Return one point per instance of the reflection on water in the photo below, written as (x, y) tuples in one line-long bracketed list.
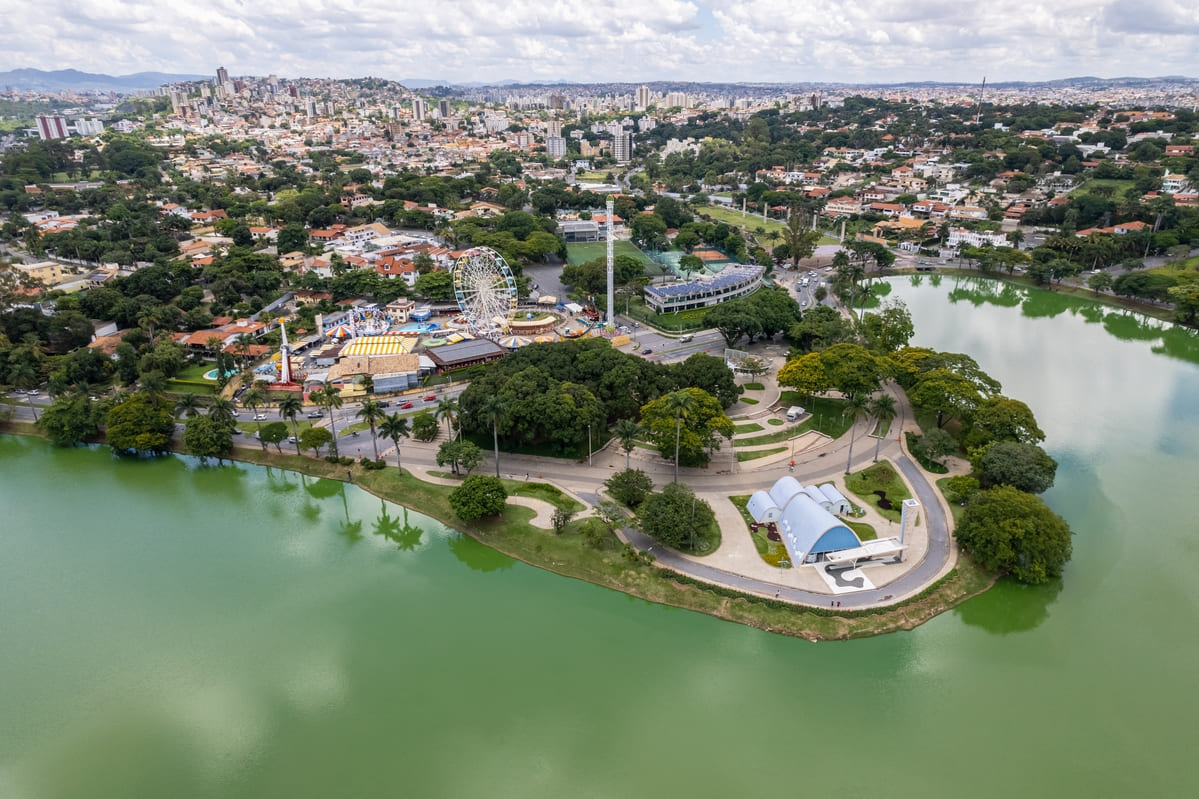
[(1175, 340), (405, 535), (477, 556), (1010, 607)]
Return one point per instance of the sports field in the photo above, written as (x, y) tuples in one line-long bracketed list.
[(580, 253)]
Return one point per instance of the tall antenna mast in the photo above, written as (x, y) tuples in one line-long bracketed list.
[(611, 266), (978, 111)]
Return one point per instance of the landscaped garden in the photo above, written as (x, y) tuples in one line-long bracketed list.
[(881, 487)]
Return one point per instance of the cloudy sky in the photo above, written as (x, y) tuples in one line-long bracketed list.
[(621, 40)]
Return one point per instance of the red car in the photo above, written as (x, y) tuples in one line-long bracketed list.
[(406, 406), (430, 398)]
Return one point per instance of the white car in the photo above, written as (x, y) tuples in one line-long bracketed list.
[(258, 417)]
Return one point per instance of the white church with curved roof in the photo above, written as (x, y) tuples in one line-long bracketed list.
[(805, 520)]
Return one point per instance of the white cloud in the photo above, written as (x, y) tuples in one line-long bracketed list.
[(707, 40)]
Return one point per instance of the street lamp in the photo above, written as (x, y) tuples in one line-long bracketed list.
[(589, 443)]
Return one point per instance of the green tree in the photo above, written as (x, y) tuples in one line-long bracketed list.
[(223, 410), (330, 399), (460, 454), (960, 488), (292, 238), (273, 433), (69, 421), (395, 427), (560, 519), (187, 405), (154, 386), (372, 413), (946, 393), (890, 329), (493, 410), (25, 377), (289, 408), (629, 487), (855, 408), (1001, 418), (206, 437), (436, 286), (805, 374), (1014, 533), (851, 369), (937, 444), (136, 425), (424, 425), (799, 239), (627, 431), (254, 399), (479, 496), (1025, 467), (675, 515), (691, 419), (315, 438), (882, 408), (447, 409)]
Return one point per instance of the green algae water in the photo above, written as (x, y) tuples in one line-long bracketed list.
[(171, 630)]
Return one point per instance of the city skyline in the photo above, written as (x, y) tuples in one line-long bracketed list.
[(482, 41)]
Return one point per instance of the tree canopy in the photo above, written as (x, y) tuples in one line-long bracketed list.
[(1014, 533)]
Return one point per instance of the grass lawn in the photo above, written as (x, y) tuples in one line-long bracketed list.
[(775, 422), (748, 400), (865, 532), (956, 508), (753, 386), (768, 438), (750, 427), (827, 413), (191, 388), (670, 322), (1118, 187), (592, 177), (879, 477), (754, 454), (773, 552), (882, 428), (543, 491), (587, 251)]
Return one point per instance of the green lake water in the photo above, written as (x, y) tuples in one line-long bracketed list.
[(174, 631)]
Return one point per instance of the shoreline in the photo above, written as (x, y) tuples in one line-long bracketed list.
[(569, 556)]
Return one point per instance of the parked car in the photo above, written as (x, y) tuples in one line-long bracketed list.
[(430, 398), (406, 406)]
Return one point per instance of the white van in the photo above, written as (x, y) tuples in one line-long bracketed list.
[(794, 412), (684, 339)]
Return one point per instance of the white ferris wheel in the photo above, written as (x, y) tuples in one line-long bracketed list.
[(485, 290)]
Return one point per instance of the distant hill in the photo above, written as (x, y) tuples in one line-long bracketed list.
[(73, 79), (423, 83)]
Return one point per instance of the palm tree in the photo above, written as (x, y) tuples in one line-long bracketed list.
[(222, 410), (855, 408), (680, 402), (153, 385), (395, 427), (255, 398), (289, 408), (372, 412), (447, 408), (329, 398), (243, 342), (627, 431), (882, 408), (493, 409), (187, 405), (25, 377)]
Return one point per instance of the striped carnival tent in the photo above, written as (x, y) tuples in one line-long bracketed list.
[(377, 345)]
